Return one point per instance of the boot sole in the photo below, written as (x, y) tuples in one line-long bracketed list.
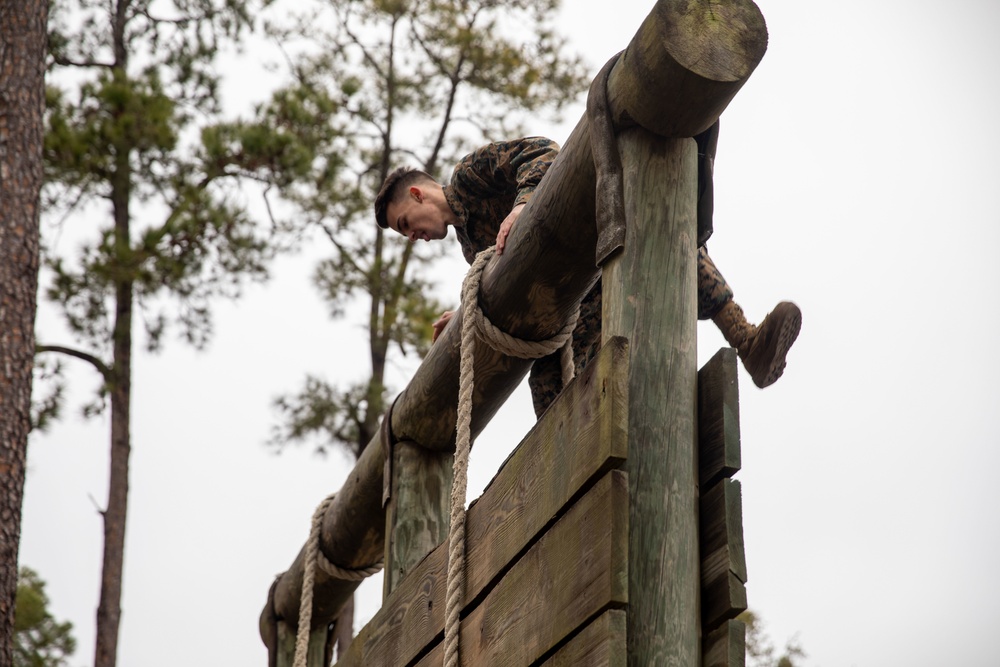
[(777, 348)]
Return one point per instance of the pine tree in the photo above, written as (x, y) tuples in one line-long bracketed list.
[(136, 152), (39, 639), (22, 85)]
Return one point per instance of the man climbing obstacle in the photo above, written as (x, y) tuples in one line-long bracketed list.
[(487, 192)]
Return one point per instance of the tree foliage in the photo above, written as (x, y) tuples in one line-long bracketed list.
[(39, 639), (760, 648), (419, 82)]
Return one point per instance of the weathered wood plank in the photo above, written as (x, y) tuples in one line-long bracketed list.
[(601, 644), (718, 418), (723, 567), (722, 545), (725, 646), (574, 571), (534, 485), (722, 599), (417, 516), (650, 296), (548, 468)]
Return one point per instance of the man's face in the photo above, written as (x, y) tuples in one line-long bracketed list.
[(417, 217)]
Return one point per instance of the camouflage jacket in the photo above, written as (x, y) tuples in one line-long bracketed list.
[(492, 180)]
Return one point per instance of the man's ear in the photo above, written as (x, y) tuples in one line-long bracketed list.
[(417, 194)]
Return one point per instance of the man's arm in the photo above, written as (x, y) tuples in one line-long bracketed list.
[(506, 169)]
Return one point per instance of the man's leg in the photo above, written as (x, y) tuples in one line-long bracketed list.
[(762, 348)]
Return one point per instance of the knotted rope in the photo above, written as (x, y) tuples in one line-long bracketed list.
[(475, 322), (314, 558)]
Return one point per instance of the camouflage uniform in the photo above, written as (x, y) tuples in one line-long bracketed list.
[(484, 187)]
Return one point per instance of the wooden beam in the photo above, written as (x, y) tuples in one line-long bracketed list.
[(575, 571), (723, 598), (418, 513), (722, 530), (550, 257), (685, 64), (725, 646), (718, 418), (723, 567), (650, 297), (537, 483)]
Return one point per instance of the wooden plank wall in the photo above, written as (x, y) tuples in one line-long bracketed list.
[(546, 556), (546, 562), (723, 558)]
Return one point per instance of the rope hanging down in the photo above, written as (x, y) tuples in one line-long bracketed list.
[(315, 557), (475, 322)]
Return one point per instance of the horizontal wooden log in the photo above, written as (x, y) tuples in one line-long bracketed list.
[(723, 565), (575, 571), (725, 646), (600, 644), (718, 418), (685, 64), (536, 484), (550, 258), (349, 536)]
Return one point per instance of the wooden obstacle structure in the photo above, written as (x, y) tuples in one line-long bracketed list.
[(548, 540), (613, 534)]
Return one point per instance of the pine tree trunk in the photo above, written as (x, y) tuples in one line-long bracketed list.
[(109, 607), (22, 101)]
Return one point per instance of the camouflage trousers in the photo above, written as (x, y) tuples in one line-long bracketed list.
[(545, 379)]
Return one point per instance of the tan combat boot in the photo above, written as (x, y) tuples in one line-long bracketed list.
[(762, 348)]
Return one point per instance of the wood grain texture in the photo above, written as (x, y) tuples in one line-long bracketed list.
[(575, 571), (723, 598), (316, 654), (418, 512), (534, 485), (650, 297), (725, 646), (601, 644), (685, 64), (722, 529), (724, 567), (718, 418)]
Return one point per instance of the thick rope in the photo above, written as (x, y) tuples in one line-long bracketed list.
[(473, 322), (314, 558)]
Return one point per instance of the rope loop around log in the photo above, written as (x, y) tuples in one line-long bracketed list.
[(316, 558), (474, 323)]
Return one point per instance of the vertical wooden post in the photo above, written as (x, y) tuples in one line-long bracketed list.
[(650, 297), (417, 517), (316, 656)]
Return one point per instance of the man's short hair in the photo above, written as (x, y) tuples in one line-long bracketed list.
[(394, 190)]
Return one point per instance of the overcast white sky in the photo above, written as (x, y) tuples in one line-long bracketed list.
[(857, 175)]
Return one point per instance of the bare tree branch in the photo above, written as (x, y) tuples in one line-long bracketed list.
[(101, 367)]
